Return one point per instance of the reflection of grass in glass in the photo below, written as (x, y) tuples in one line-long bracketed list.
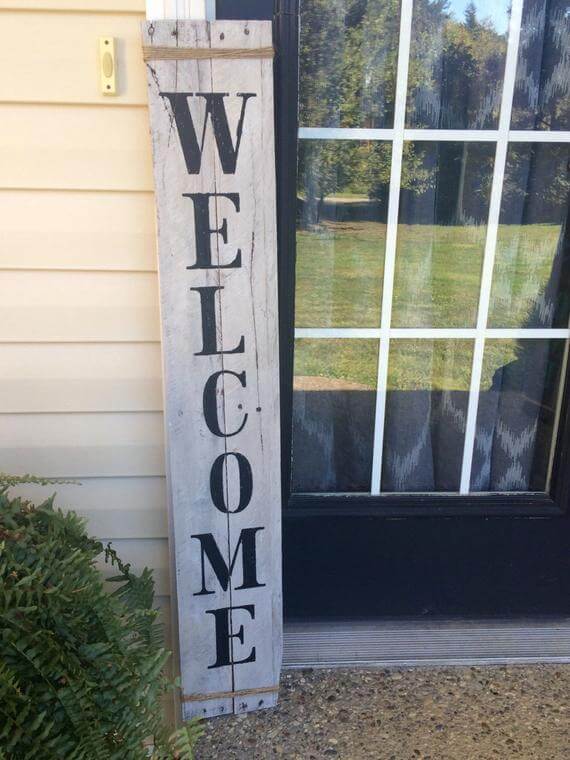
[(497, 354), (339, 275), (430, 365), (500, 352), (326, 364), (333, 364), (340, 266), (522, 266), (438, 271)]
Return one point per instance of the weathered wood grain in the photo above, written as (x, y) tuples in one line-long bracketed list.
[(246, 312)]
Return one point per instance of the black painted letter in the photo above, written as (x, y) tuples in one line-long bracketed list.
[(211, 408), (216, 110), (209, 549), (204, 232), (209, 325), (218, 478), (224, 634)]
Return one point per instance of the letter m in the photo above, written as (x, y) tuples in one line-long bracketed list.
[(192, 145), (209, 549)]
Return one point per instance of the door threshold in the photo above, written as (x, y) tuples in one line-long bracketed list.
[(416, 643)]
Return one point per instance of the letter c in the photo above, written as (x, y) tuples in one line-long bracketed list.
[(210, 406)]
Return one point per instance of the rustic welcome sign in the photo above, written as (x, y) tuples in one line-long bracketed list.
[(211, 113)]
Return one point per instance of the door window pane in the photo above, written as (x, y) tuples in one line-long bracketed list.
[(531, 281), (426, 411), (334, 397), (542, 87), (412, 287), (444, 204), (457, 63), (341, 232), (517, 414), (348, 60)]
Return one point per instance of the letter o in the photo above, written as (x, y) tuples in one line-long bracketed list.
[(217, 482)]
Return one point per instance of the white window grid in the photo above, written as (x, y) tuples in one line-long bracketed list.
[(157, 10), (501, 136)]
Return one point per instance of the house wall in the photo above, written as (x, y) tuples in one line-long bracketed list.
[(80, 369)]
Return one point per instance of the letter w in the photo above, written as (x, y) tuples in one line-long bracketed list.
[(192, 147), (209, 549)]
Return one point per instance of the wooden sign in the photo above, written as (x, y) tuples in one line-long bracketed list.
[(211, 114)]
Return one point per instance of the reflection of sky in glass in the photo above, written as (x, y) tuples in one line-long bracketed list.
[(496, 10)]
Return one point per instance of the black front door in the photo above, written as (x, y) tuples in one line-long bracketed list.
[(425, 312)]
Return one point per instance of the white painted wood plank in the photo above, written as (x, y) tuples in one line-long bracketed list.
[(78, 306), (257, 317), (100, 377), (110, 231), (82, 445), (74, 147), (180, 9), (184, 379), (248, 309), (53, 58), (155, 10)]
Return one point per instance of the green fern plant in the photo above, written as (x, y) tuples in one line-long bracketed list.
[(81, 669)]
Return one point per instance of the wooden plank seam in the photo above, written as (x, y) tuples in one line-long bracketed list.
[(229, 694), (159, 53)]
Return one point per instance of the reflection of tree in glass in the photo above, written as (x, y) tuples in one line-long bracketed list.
[(458, 183), (456, 69), (536, 184), (348, 58), (458, 175)]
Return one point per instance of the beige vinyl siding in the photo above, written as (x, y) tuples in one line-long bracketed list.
[(107, 7), (61, 67), (80, 369), (110, 231)]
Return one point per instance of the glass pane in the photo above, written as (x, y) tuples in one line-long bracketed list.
[(444, 204), (531, 281), (457, 62), (348, 59), (334, 398), (517, 413), (542, 87), (426, 411), (341, 232)]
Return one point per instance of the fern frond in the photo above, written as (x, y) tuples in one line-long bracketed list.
[(81, 669), (183, 741)]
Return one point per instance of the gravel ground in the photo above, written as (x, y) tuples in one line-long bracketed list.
[(482, 713)]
